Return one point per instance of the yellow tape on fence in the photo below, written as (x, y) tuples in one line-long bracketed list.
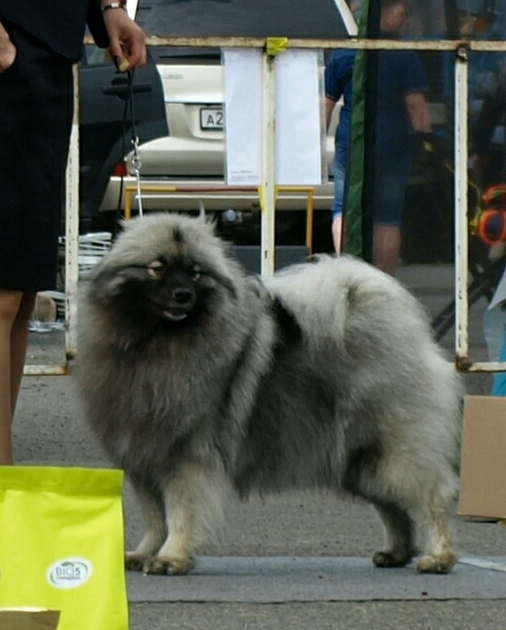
[(276, 45)]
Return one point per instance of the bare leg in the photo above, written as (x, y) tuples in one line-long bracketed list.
[(337, 234), (19, 344), (386, 247), (9, 306), (15, 310)]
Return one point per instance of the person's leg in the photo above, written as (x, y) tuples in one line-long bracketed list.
[(19, 343), (338, 205), (10, 302), (389, 197), (337, 233), (15, 310), (386, 247)]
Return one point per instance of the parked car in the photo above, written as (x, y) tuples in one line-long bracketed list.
[(191, 158)]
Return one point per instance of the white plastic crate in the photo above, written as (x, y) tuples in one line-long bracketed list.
[(92, 248)]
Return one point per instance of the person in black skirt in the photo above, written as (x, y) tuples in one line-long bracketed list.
[(40, 40)]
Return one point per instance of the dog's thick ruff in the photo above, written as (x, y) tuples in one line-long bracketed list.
[(200, 382)]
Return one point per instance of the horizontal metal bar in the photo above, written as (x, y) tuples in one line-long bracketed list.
[(355, 43), (482, 366), (45, 370), (159, 188)]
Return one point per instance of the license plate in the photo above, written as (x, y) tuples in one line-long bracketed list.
[(212, 118)]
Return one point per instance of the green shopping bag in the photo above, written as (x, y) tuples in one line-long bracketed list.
[(62, 544)]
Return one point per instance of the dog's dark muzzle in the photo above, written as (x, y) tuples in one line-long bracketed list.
[(178, 303), (182, 300)]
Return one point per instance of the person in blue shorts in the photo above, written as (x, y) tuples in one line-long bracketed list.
[(401, 110)]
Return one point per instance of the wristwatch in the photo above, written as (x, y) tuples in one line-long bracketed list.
[(121, 4)]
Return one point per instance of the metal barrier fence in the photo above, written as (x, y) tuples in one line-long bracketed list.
[(461, 51)]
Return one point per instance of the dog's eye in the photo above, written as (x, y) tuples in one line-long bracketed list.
[(196, 271), (156, 269)]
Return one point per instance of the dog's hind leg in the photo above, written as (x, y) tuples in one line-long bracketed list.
[(362, 478), (399, 534), (398, 487), (425, 486), (438, 556), (425, 494), (194, 504), (431, 506)]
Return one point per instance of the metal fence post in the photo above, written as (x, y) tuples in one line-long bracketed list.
[(72, 228), (268, 184), (461, 206)]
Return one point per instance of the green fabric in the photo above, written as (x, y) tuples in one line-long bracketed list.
[(354, 194)]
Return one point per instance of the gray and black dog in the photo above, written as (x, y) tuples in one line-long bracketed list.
[(201, 382)]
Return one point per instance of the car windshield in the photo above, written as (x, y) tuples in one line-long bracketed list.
[(241, 18)]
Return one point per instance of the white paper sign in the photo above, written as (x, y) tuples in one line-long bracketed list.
[(243, 116), (298, 119), (299, 136)]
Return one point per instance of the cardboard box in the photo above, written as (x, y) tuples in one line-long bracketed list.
[(29, 619), (483, 458)]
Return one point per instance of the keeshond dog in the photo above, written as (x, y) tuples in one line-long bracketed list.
[(200, 381)]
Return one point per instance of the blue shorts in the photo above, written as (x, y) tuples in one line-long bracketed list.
[(391, 180)]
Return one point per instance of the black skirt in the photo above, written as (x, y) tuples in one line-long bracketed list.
[(35, 122)]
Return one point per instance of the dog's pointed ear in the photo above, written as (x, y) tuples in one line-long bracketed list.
[(106, 282), (225, 282)]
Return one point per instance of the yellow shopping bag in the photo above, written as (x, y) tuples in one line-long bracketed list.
[(62, 544)]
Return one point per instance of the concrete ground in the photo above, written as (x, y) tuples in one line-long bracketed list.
[(300, 560)]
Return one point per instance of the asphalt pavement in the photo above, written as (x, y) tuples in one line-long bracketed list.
[(300, 560)]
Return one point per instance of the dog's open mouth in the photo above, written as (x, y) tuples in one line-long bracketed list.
[(174, 314), (169, 312)]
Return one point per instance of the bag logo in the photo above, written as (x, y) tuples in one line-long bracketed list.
[(69, 573)]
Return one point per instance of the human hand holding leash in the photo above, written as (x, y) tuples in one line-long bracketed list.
[(7, 50), (127, 39)]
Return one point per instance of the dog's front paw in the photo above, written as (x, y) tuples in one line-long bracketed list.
[(436, 564), (163, 565)]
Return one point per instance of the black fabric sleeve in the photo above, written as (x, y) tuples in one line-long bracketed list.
[(96, 24)]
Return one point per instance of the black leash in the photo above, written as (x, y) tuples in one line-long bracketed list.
[(129, 115), (136, 158)]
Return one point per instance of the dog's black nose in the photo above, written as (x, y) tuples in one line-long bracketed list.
[(182, 296)]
